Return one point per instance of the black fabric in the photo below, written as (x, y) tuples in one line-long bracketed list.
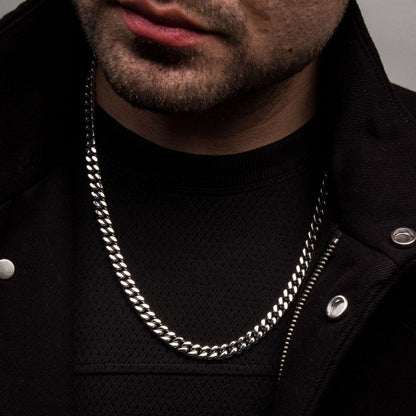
[(372, 180), (372, 118), (36, 92), (207, 239), (378, 374)]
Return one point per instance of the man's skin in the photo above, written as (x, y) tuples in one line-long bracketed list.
[(247, 78)]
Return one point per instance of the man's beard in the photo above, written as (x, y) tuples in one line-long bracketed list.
[(171, 80)]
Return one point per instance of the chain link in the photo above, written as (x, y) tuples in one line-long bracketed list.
[(142, 308)]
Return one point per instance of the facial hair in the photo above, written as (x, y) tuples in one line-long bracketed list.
[(171, 80)]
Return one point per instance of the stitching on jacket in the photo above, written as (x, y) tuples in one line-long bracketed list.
[(371, 247), (15, 16), (28, 188), (395, 101)]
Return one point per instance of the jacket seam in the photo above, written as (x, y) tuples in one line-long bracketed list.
[(15, 16), (376, 249), (16, 195)]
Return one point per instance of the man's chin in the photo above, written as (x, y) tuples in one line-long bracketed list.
[(161, 101), (155, 88)]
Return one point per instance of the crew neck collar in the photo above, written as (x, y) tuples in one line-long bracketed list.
[(137, 156)]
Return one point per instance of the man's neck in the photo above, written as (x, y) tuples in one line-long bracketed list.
[(244, 124)]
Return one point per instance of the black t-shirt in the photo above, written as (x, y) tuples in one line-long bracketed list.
[(211, 242)]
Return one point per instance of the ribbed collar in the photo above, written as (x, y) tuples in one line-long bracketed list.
[(138, 156)]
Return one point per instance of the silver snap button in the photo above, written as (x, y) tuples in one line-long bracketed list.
[(403, 237), (6, 269), (336, 307)]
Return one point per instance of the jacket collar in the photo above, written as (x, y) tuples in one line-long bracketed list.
[(372, 172), (43, 58), (372, 167)]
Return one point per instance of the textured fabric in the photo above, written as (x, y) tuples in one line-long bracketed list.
[(210, 260), (363, 363), (378, 375)]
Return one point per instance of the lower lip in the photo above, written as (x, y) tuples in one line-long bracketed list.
[(170, 36)]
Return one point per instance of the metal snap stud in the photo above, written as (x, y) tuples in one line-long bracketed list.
[(7, 269), (336, 307), (403, 237)]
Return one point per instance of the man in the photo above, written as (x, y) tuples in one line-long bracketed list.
[(184, 151)]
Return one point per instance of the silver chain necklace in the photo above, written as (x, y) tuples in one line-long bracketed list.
[(129, 286)]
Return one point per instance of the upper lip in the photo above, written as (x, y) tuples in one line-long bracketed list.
[(166, 17)]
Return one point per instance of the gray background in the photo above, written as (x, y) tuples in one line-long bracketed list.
[(392, 24)]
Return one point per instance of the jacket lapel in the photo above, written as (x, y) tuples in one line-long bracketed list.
[(36, 303), (372, 169), (318, 345), (40, 129)]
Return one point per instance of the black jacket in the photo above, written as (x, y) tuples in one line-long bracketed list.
[(363, 363)]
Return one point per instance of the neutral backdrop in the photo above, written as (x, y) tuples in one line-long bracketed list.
[(392, 23)]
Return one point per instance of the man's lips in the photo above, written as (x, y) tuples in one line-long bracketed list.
[(167, 26)]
